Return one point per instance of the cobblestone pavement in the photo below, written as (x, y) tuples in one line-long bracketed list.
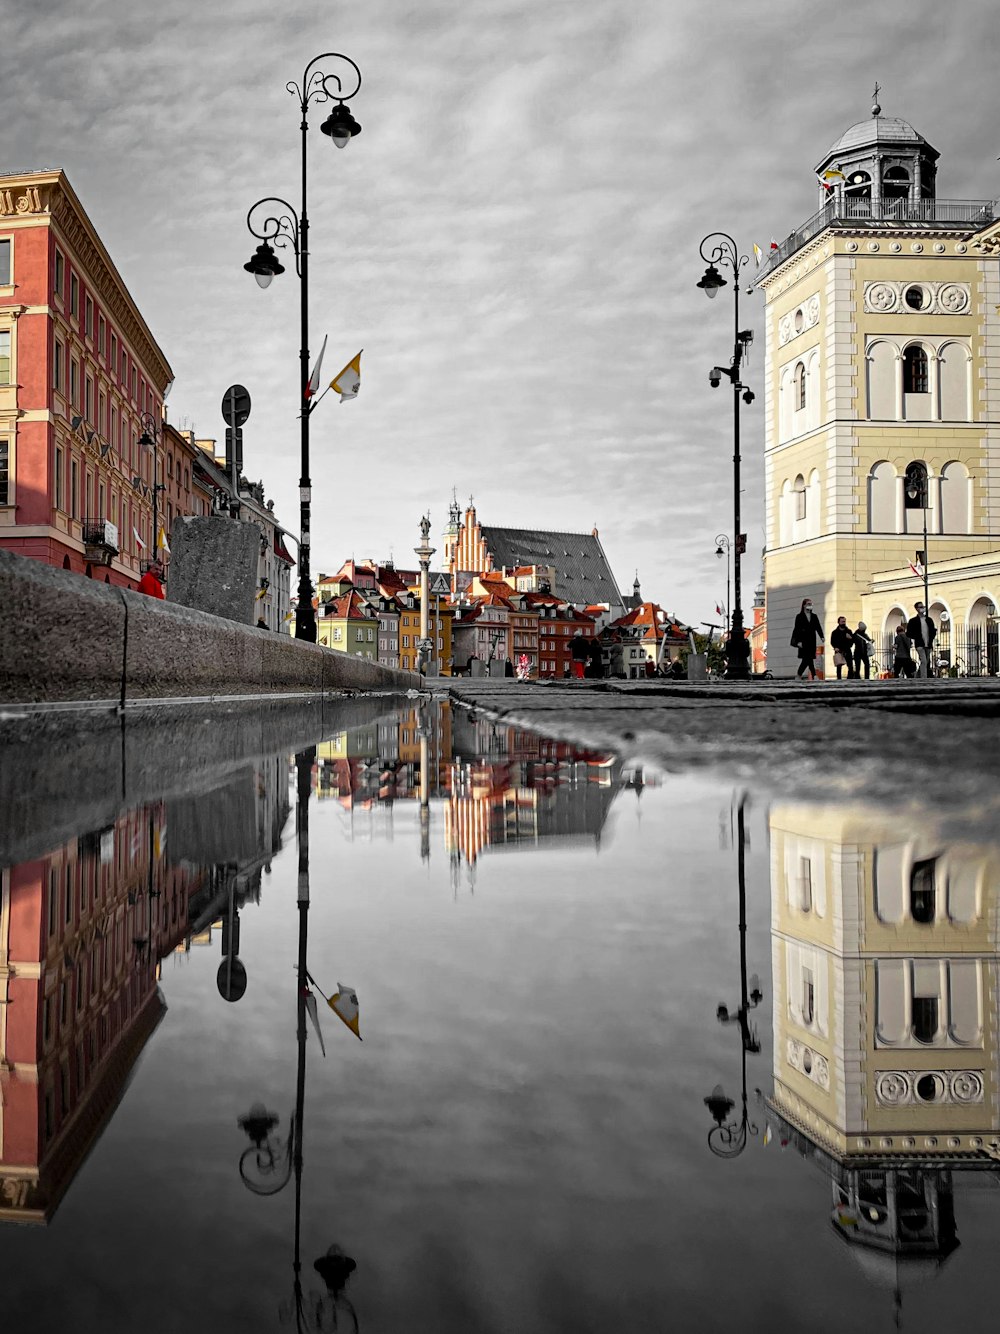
[(903, 738)]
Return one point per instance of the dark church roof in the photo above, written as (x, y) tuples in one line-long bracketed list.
[(583, 575)]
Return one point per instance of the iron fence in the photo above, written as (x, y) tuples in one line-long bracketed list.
[(974, 651)]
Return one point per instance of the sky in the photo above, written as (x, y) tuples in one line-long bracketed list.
[(513, 239)]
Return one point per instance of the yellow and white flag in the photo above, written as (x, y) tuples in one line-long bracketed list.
[(758, 254), (161, 542), (344, 1004), (348, 382)]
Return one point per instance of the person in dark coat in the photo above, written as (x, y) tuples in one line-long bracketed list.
[(594, 671), (580, 653), (807, 635), (508, 668), (902, 663), (842, 643), (922, 633), (863, 645)]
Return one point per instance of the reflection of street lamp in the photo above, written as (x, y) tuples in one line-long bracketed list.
[(268, 1164), (723, 547), (283, 226), (728, 1139), (148, 440), (725, 251)]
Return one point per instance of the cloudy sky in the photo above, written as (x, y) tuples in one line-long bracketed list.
[(513, 239)]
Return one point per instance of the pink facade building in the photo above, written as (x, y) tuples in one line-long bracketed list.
[(78, 368)]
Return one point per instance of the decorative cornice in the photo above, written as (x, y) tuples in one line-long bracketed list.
[(51, 194)]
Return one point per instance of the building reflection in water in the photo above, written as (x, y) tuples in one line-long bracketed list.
[(885, 974), (84, 928), (494, 786)]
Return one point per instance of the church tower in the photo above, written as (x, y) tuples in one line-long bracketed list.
[(450, 534), (882, 381)]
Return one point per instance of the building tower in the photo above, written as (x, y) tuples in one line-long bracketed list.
[(451, 532), (882, 382)]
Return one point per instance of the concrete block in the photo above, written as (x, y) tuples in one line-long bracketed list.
[(213, 566)]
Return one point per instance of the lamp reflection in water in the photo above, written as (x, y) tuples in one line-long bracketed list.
[(271, 1161), (728, 1138)]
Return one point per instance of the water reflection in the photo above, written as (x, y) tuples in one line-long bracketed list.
[(885, 971)]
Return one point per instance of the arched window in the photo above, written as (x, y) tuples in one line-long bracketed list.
[(799, 488), (922, 894), (882, 498), (915, 376), (800, 386), (859, 185), (895, 183), (915, 486), (955, 498)]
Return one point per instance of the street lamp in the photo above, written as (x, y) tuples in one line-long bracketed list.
[(148, 440), (727, 1139), (724, 250), (723, 547), (281, 225), (916, 491)]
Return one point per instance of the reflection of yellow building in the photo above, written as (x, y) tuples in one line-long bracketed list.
[(885, 984), (885, 972)]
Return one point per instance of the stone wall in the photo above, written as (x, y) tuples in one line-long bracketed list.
[(65, 637)]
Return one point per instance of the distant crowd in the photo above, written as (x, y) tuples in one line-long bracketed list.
[(852, 649)]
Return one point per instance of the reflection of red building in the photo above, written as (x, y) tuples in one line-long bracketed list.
[(82, 931)]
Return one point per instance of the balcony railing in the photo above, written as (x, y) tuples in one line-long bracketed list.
[(844, 211), (100, 537)]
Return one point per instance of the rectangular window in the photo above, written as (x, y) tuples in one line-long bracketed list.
[(336, 632), (74, 489), (805, 884), (59, 273), (133, 380), (102, 414), (406, 641), (88, 399), (53, 900), (5, 263), (74, 382), (371, 635), (74, 294), (4, 356), (68, 889), (808, 996), (58, 361), (100, 500), (101, 333), (88, 317), (124, 376), (88, 509), (113, 359), (59, 480), (360, 634)]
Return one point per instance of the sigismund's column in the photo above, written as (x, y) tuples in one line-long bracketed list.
[(424, 553)]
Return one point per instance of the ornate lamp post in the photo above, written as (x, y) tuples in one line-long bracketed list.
[(149, 440), (279, 223), (723, 547), (723, 250), (727, 1139), (916, 491)]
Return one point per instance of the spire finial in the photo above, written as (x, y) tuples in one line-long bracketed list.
[(876, 109)]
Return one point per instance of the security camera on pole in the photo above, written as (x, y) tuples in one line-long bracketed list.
[(725, 251)]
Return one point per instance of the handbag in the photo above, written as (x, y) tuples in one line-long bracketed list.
[(838, 659)]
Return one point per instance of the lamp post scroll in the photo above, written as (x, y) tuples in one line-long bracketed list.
[(720, 248), (278, 225)]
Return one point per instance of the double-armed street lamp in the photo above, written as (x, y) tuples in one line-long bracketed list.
[(724, 250), (149, 440), (281, 225), (916, 485)]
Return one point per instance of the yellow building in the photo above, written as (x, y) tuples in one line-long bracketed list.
[(882, 382), (440, 616), (348, 624)]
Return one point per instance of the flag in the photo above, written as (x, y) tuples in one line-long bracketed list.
[(825, 185), (260, 593), (348, 382), (768, 1134), (161, 542), (288, 616), (917, 569), (159, 840), (831, 174), (138, 539), (311, 1007), (774, 244), (758, 254), (718, 610), (312, 388), (344, 1004)]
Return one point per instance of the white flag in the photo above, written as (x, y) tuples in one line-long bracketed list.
[(348, 382)]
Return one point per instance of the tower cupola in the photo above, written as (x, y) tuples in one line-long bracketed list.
[(878, 167)]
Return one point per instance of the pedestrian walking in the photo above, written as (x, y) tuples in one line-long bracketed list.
[(922, 632), (842, 643), (807, 635), (863, 645), (902, 662), (151, 582)]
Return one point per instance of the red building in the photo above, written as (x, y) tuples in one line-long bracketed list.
[(78, 367)]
